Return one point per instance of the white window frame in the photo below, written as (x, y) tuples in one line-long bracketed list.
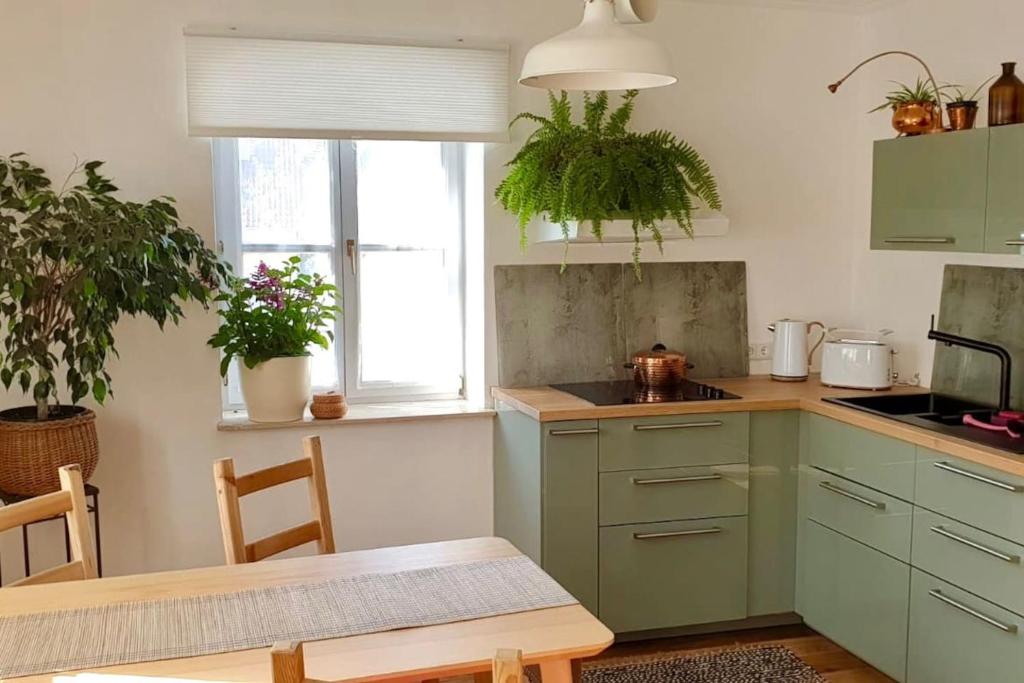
[(345, 231)]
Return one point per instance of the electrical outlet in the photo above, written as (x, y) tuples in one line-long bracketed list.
[(759, 351)]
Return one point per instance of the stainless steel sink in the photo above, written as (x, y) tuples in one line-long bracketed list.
[(934, 412)]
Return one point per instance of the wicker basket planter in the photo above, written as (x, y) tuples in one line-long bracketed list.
[(31, 451)]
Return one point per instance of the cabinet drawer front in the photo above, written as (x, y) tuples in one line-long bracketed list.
[(638, 496), (855, 596), (862, 456), (980, 496), (956, 637), (979, 562), (673, 574), (866, 515), (929, 192), (674, 441)]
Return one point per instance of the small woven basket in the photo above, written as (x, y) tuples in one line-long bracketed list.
[(329, 406), (32, 452)]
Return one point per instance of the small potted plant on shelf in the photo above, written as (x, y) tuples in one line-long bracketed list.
[(73, 261), (914, 109), (270, 320), (598, 170), (961, 106)]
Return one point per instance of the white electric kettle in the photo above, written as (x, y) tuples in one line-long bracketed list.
[(791, 358)]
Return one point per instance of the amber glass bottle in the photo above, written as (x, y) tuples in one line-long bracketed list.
[(1006, 98)]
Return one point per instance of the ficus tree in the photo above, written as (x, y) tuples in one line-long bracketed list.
[(73, 260)]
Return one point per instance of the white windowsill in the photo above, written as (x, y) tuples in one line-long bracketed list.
[(363, 413)]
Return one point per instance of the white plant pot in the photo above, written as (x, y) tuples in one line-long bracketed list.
[(276, 390)]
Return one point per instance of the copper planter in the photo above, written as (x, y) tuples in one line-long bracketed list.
[(962, 115), (915, 118)]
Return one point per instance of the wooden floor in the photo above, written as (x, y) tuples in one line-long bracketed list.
[(831, 661)]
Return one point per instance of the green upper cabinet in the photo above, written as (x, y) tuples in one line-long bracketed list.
[(929, 192), (1004, 231)]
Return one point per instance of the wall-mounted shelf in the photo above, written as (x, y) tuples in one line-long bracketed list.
[(705, 224)]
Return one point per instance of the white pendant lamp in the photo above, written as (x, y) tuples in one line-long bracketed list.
[(601, 53)]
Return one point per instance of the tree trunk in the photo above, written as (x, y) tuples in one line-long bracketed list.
[(42, 409)]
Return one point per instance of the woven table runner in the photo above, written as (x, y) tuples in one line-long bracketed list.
[(133, 632)]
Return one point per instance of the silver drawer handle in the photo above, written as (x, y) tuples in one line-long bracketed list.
[(945, 533), (946, 467), (828, 486), (920, 240), (681, 425), (573, 432), (677, 480), (673, 534), (1014, 243), (938, 595)]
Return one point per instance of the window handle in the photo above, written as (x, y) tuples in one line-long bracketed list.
[(350, 249)]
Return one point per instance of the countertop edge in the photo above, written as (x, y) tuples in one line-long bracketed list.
[(982, 455)]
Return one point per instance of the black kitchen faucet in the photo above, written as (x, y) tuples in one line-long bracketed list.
[(978, 345)]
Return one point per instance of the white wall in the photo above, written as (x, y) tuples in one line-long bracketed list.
[(104, 79), (962, 43)]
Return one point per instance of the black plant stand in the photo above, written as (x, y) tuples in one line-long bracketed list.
[(90, 492)]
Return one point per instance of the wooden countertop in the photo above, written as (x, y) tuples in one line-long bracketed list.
[(760, 393)]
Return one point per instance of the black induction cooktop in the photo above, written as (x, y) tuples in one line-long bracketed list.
[(621, 392)]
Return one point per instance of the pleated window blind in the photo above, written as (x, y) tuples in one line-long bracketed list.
[(259, 87)]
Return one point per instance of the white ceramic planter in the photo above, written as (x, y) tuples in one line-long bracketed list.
[(276, 390)]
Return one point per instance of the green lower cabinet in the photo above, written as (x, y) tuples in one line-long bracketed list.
[(856, 596), (656, 576), (956, 637), (771, 520), (870, 459), (569, 508), (986, 565), (640, 496)]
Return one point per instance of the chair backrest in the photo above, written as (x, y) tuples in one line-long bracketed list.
[(70, 502), (231, 488), (288, 665)]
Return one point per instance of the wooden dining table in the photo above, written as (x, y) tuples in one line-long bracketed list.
[(553, 637)]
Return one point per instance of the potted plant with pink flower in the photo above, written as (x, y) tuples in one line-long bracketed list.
[(269, 322)]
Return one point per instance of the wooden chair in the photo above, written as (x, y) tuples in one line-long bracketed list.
[(288, 665), (231, 488), (69, 501)]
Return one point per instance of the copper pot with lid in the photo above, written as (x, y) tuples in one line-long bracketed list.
[(659, 367)]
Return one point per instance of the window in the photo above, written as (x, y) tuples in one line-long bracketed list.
[(384, 220)]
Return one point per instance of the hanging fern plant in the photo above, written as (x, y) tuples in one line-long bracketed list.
[(598, 170)]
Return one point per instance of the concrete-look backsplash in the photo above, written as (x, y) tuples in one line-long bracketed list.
[(584, 324), (982, 303)]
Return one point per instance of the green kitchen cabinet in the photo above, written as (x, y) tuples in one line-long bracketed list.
[(656, 576), (980, 496), (1004, 228), (772, 511), (545, 497), (929, 192), (979, 562), (674, 441), (637, 496), (956, 637), (864, 457), (863, 514), (854, 595)]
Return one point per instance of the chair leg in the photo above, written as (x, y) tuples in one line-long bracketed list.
[(287, 663), (507, 666), (557, 671)]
